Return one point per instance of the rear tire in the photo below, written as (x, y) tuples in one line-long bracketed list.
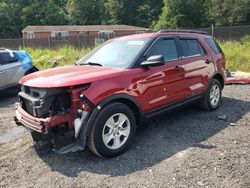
[(212, 98), (112, 131)]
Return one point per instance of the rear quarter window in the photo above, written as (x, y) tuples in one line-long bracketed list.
[(214, 45)]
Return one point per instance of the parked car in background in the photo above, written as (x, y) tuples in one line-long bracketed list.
[(119, 85), (14, 65)]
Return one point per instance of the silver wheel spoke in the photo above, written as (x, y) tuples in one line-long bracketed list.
[(111, 123), (122, 120), (117, 142), (107, 138), (217, 92), (211, 95), (125, 132)]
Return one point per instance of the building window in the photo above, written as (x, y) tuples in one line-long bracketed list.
[(30, 35), (106, 35), (139, 32), (60, 35), (84, 33)]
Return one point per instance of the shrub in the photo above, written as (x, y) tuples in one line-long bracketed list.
[(237, 54), (43, 57)]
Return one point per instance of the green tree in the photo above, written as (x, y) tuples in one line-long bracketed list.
[(148, 12), (10, 18), (122, 11), (112, 11), (128, 11), (43, 12), (85, 11), (229, 12), (4, 21), (183, 14), (17, 14)]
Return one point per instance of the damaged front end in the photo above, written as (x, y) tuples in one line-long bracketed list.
[(47, 110)]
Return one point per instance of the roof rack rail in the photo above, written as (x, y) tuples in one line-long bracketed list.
[(183, 31)]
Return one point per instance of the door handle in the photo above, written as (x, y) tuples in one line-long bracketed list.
[(1, 72), (208, 61), (177, 68)]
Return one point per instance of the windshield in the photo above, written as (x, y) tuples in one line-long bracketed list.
[(115, 53)]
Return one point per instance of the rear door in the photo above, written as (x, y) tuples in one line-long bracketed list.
[(197, 64), (164, 84)]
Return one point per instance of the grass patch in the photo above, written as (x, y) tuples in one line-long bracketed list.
[(43, 58), (237, 54)]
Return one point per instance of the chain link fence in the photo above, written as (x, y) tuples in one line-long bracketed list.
[(228, 33), (50, 42)]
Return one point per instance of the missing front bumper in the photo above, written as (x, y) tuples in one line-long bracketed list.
[(30, 122), (41, 125)]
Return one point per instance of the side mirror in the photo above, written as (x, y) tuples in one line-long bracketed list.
[(153, 61)]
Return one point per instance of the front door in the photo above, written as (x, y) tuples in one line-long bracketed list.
[(164, 84)]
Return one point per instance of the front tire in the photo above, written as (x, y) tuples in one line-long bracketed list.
[(212, 98), (112, 131)]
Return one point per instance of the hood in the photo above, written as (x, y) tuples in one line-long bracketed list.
[(69, 76)]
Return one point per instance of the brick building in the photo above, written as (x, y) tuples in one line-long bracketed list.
[(66, 31)]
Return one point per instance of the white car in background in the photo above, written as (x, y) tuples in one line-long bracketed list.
[(14, 65)]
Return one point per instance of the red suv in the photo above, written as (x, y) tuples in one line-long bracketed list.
[(119, 85)]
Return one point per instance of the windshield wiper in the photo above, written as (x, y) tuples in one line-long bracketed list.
[(97, 64)]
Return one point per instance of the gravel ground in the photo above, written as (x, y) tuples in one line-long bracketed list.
[(187, 148)]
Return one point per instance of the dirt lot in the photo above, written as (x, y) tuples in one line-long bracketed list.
[(187, 148)]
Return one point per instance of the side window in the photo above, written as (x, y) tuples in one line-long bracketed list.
[(191, 48), (165, 47), (6, 58), (213, 44)]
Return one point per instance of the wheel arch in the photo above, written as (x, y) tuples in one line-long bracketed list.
[(220, 78), (129, 101), (123, 98)]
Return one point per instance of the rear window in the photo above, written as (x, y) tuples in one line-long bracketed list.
[(191, 48), (6, 58), (214, 45)]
